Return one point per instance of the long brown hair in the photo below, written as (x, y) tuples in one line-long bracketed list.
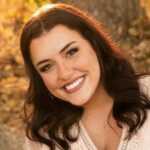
[(118, 77)]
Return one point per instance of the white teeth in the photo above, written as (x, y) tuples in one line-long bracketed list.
[(74, 84)]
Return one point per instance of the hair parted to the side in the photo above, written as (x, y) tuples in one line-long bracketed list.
[(49, 114)]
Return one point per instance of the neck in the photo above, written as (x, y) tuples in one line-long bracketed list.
[(98, 109), (99, 122)]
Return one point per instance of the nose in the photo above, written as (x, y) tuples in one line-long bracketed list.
[(64, 71)]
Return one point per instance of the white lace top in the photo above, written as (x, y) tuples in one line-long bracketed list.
[(139, 141)]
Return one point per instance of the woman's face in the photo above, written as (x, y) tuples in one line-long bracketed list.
[(67, 63)]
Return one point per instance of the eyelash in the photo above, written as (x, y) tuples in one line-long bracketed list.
[(45, 68), (69, 52), (74, 50)]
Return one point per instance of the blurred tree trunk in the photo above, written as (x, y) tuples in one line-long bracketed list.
[(9, 141), (117, 15)]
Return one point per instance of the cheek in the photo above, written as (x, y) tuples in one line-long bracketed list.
[(89, 62), (50, 82), (96, 66)]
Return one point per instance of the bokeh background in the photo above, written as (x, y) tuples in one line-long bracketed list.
[(127, 21)]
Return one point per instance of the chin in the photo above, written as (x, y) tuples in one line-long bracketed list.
[(79, 102)]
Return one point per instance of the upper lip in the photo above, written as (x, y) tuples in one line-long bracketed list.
[(72, 81)]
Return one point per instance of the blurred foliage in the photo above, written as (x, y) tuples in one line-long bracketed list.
[(146, 5), (13, 82), (41, 2)]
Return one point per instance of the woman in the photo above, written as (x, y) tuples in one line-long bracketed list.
[(84, 93)]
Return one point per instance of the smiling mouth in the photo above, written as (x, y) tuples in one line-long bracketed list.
[(75, 85)]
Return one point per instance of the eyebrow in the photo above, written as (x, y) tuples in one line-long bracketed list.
[(63, 49)]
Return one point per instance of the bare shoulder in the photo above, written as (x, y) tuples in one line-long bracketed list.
[(145, 129), (145, 85), (31, 145)]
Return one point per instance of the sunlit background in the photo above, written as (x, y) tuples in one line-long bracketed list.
[(129, 26)]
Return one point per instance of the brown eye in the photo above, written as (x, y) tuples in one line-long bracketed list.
[(72, 51), (45, 68)]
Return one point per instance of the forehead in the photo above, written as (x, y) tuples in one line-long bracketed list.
[(51, 42)]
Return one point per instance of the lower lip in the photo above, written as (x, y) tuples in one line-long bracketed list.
[(77, 87)]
